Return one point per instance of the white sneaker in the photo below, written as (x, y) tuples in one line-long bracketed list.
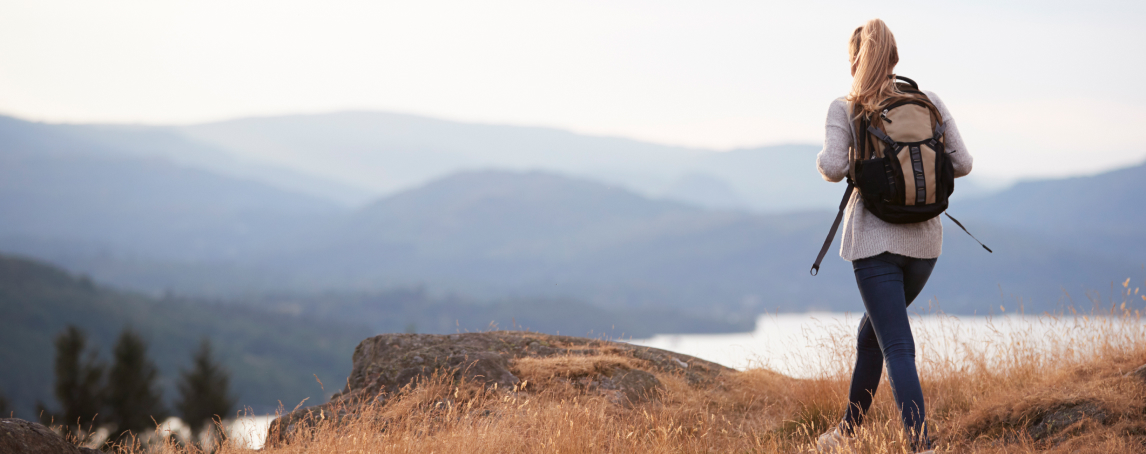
[(834, 442)]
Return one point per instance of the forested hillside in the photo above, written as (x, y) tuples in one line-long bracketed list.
[(272, 356)]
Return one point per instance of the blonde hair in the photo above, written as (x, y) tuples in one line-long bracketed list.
[(873, 52)]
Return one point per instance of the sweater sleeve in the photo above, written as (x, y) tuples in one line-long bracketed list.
[(961, 159), (832, 161)]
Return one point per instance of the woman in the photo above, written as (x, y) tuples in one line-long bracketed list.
[(891, 261)]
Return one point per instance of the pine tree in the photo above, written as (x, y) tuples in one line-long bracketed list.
[(204, 390), (134, 400), (5, 406), (78, 379)]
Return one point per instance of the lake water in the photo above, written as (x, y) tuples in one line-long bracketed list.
[(811, 344), (250, 431), (818, 343)]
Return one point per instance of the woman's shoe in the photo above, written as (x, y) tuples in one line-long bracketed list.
[(834, 442)]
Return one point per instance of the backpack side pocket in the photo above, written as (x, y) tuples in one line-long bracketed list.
[(875, 181)]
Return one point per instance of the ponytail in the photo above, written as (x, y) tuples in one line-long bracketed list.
[(874, 55)]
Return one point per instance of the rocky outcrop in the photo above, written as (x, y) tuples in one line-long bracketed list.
[(1067, 416), (1050, 416), (18, 436), (1139, 373), (384, 364)]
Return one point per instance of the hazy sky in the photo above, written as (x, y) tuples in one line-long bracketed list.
[(1038, 88)]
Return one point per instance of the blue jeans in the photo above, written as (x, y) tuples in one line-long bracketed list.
[(888, 283)]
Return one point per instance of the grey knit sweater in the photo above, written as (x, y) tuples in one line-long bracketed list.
[(865, 235)]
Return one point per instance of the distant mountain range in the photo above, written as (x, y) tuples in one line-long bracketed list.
[(160, 209), (1105, 213), (386, 153), (353, 158), (537, 233)]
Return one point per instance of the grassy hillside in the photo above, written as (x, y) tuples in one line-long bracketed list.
[(1074, 385), (273, 357)]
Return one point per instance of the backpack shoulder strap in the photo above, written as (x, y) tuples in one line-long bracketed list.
[(853, 155), (835, 226)]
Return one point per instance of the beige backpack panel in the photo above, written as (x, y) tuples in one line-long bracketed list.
[(909, 123)]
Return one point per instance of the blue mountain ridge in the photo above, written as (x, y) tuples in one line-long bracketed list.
[(152, 223)]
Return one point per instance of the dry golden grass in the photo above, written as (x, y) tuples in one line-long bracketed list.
[(983, 395), (537, 370)]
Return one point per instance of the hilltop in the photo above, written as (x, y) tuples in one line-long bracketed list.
[(386, 366), (1081, 387), (1083, 390)]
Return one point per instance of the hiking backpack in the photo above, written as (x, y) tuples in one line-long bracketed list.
[(898, 162)]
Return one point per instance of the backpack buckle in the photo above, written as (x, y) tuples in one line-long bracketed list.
[(939, 130), (881, 136)]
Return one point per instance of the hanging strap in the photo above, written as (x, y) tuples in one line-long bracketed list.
[(853, 152), (960, 224), (832, 234)]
